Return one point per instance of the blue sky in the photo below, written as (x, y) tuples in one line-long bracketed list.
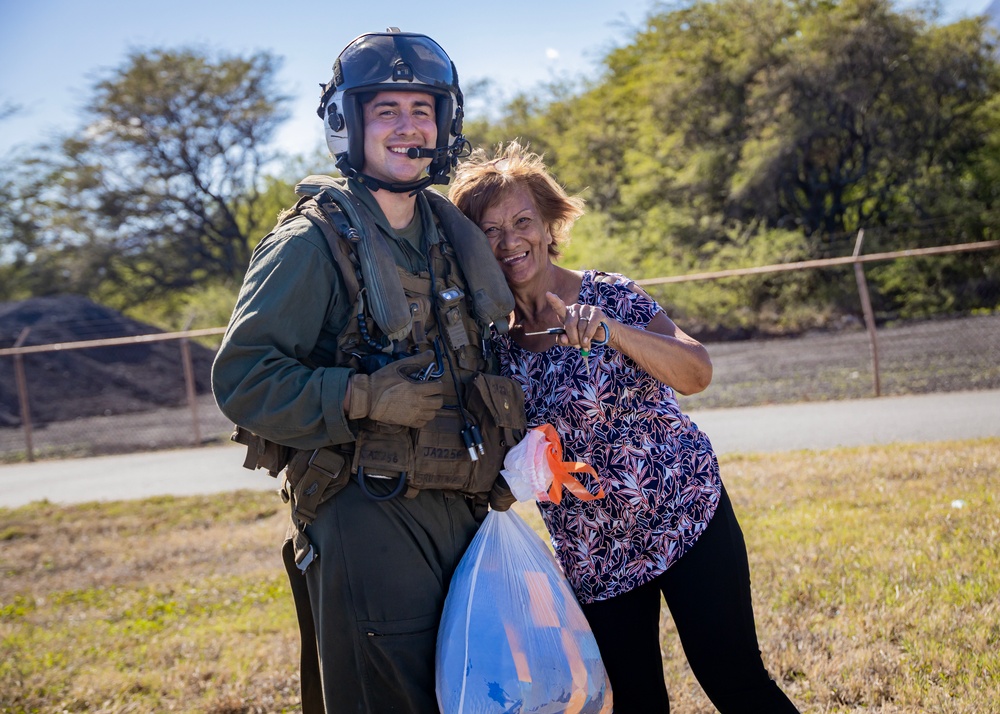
[(51, 51)]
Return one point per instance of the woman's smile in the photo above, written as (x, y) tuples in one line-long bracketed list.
[(519, 237)]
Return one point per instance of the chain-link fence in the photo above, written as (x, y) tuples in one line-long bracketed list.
[(125, 388)]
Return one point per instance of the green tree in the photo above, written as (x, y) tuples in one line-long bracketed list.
[(161, 190), (29, 265), (867, 115), (742, 132)]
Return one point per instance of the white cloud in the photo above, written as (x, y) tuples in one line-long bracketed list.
[(552, 54)]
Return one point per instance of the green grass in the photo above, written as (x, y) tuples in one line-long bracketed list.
[(874, 591)]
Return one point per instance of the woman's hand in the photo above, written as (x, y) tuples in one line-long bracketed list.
[(583, 323), (662, 349)]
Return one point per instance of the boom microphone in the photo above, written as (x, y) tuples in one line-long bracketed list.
[(422, 153)]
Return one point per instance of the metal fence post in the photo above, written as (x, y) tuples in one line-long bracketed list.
[(22, 395), (189, 386), (866, 309)]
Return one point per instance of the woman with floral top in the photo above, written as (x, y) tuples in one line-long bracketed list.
[(606, 379)]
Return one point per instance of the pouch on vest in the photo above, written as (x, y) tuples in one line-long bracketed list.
[(261, 453), (500, 402), (441, 457), (311, 478), (382, 449)]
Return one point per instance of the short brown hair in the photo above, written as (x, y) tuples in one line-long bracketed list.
[(482, 181)]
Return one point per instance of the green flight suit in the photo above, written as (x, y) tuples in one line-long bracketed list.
[(369, 606)]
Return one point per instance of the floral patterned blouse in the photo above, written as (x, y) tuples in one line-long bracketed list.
[(659, 472)]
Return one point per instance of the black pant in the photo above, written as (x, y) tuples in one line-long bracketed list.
[(708, 593)]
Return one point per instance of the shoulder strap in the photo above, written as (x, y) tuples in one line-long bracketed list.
[(602, 277), (343, 256), (355, 230), (492, 299)]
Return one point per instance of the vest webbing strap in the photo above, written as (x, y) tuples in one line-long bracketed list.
[(492, 300), (342, 254)]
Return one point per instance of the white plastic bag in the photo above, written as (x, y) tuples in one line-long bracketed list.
[(513, 638), (535, 471), (526, 468)]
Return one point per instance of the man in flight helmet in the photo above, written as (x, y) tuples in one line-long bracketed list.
[(392, 62), (355, 367)]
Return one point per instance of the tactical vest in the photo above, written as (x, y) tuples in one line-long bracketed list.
[(448, 309)]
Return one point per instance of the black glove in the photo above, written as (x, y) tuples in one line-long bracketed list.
[(393, 396), (501, 497)]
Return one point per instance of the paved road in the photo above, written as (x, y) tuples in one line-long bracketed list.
[(813, 425)]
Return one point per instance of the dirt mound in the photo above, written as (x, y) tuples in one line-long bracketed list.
[(69, 384)]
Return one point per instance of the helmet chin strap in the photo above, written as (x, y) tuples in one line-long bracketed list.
[(374, 184)]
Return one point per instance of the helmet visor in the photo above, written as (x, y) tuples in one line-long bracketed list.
[(396, 57)]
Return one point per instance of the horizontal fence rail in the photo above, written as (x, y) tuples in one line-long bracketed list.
[(113, 341), (822, 263)]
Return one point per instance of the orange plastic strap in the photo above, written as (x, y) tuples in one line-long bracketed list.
[(561, 470)]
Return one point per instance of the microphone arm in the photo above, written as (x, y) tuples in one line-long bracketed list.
[(422, 153)]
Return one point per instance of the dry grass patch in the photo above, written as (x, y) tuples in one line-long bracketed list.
[(875, 587), (874, 574), (157, 605)]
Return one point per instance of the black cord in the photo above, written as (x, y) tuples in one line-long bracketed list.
[(470, 432), (447, 352)]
